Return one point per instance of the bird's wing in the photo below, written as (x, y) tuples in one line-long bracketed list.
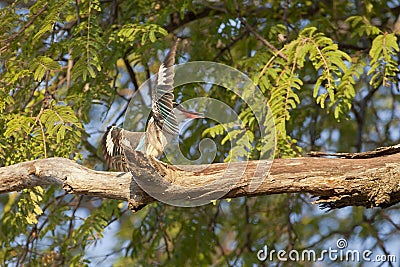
[(112, 144), (163, 96)]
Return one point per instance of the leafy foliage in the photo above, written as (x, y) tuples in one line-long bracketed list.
[(362, 26), (280, 80), (384, 66), (41, 65), (130, 32)]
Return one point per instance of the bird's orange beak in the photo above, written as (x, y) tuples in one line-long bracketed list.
[(189, 114), (193, 115)]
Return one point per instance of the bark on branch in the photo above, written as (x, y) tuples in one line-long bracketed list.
[(336, 182)]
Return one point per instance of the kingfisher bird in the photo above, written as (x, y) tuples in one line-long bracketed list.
[(162, 125)]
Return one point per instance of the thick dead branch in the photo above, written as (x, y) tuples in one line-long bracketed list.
[(381, 151), (336, 182)]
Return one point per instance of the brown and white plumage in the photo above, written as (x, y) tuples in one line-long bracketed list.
[(113, 142), (163, 95), (162, 124), (163, 120)]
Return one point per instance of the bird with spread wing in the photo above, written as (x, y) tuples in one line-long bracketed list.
[(163, 121)]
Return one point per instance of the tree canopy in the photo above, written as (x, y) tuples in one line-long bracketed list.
[(329, 71)]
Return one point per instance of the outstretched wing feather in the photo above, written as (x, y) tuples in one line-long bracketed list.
[(163, 96)]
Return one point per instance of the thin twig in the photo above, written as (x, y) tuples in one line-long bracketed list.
[(131, 73), (234, 41), (44, 138), (29, 23), (257, 35)]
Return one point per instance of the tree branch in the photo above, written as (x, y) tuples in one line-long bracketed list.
[(336, 182), (177, 21), (257, 35), (131, 73), (23, 28), (262, 39)]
